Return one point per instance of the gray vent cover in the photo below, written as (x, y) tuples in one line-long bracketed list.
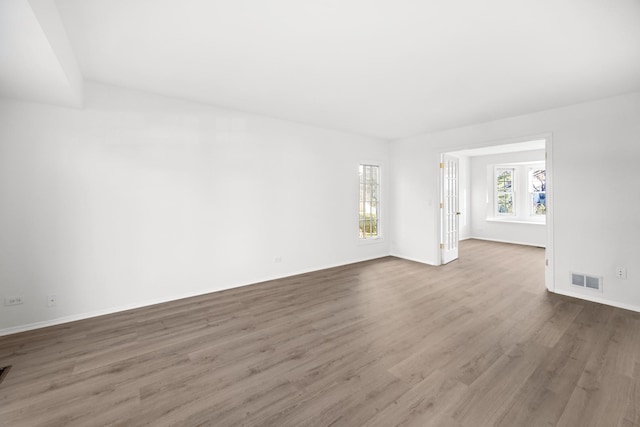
[(592, 282), (577, 279), (586, 281)]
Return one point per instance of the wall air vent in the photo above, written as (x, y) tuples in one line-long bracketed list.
[(577, 279), (587, 281)]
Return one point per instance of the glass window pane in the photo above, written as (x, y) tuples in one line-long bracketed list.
[(369, 201), (505, 191), (537, 188), (539, 203), (537, 180), (505, 179), (505, 203)]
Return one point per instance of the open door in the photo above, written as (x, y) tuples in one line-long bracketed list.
[(449, 208)]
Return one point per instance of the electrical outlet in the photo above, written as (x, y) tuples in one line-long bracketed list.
[(51, 300), (15, 300), (621, 273), (277, 259)]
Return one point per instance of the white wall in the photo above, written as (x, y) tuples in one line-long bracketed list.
[(138, 198), (482, 202), (596, 194)]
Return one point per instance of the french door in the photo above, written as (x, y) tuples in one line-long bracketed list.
[(449, 208)]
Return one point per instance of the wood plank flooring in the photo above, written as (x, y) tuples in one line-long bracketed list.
[(387, 342)]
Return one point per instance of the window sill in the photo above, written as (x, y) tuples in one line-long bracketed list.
[(516, 221), (370, 241)]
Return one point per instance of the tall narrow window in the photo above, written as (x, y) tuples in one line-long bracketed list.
[(369, 206), (537, 191), (505, 196)]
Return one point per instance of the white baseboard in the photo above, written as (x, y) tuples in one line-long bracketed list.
[(147, 303), (513, 242), (102, 312), (595, 298), (421, 261)]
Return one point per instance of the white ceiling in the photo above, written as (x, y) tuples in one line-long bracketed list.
[(384, 68)]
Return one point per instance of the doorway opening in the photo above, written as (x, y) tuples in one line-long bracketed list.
[(499, 192)]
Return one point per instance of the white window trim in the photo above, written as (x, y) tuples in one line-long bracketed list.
[(522, 209), (514, 187), (379, 212), (530, 168)]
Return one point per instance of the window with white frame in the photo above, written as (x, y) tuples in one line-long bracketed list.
[(520, 192), (369, 202), (538, 191), (505, 195)]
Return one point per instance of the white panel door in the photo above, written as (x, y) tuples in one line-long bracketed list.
[(450, 208)]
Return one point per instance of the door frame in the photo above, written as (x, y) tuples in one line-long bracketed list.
[(549, 249)]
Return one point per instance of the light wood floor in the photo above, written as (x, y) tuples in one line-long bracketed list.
[(381, 343)]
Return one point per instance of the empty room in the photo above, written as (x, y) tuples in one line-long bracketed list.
[(335, 213)]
